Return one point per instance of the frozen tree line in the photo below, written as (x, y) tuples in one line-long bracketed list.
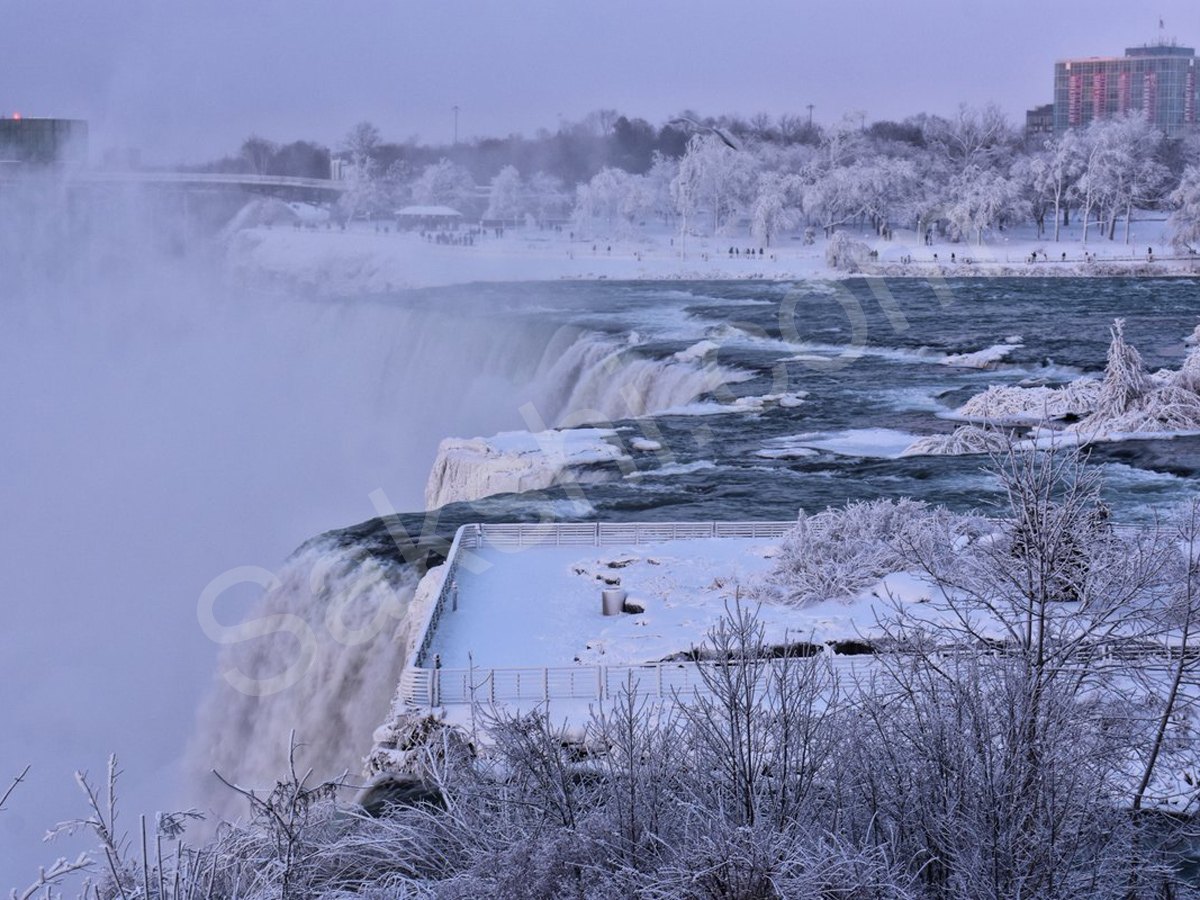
[(966, 176), (995, 750)]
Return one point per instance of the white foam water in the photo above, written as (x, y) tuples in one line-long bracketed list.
[(336, 635)]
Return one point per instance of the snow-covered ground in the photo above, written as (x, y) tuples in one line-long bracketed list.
[(541, 606), (366, 258)]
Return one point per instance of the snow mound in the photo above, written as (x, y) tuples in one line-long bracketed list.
[(697, 352), (870, 443), (982, 359), (785, 401), (965, 440), (516, 461)]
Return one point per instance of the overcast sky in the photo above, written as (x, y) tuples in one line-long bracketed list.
[(185, 80)]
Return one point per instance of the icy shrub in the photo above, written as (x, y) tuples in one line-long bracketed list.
[(1003, 403), (1125, 378), (1188, 376), (964, 440), (1167, 409), (844, 253), (840, 552)]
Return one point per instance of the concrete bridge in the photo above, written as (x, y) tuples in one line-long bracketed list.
[(288, 186)]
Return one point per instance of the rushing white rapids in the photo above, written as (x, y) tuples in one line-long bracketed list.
[(596, 381)]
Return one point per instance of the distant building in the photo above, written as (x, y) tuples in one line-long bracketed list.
[(1039, 124), (26, 141), (427, 217), (1157, 81)]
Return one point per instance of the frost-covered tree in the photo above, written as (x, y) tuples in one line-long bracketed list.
[(612, 201), (505, 199), (547, 197), (983, 138), (396, 183), (663, 171), (259, 153), (775, 207), (445, 183), (363, 195), (712, 175), (1120, 168), (981, 198), (1053, 173), (1185, 219), (687, 188), (362, 141), (1046, 178)]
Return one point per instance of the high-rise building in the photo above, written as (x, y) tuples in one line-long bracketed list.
[(1157, 81), (1039, 124)]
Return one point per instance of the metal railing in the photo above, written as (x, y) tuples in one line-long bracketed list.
[(425, 687), (599, 534), (441, 687), (447, 597)]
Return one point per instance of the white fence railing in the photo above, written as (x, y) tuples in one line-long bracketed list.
[(598, 534), (425, 687), (440, 687)]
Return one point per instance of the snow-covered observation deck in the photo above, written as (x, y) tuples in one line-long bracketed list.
[(518, 613)]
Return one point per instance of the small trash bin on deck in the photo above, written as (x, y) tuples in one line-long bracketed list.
[(612, 601)]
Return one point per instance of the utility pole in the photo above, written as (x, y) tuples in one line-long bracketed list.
[(810, 109), (455, 108)]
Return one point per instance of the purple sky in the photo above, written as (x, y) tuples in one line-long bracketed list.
[(186, 81)]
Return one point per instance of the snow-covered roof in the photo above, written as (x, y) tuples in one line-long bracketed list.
[(428, 211)]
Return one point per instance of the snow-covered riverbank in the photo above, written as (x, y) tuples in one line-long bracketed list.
[(369, 259)]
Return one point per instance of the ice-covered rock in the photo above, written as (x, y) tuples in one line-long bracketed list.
[(644, 445), (982, 359), (515, 461)]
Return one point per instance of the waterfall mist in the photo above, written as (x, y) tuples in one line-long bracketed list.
[(161, 426)]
